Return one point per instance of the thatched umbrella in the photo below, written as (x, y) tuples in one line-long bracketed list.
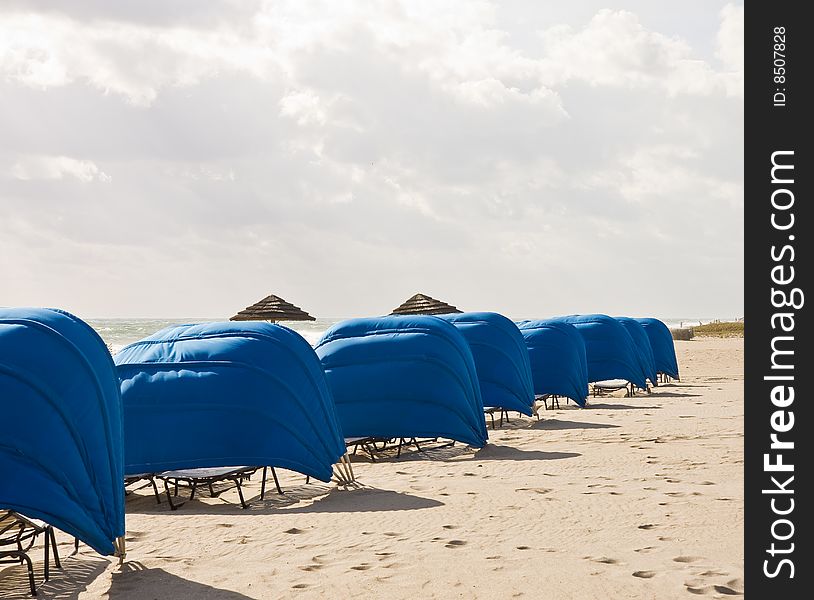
[(272, 308), (421, 304)]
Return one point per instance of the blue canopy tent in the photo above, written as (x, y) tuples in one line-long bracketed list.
[(226, 394), (403, 377), (557, 354), (643, 348), (661, 341), (609, 349), (61, 442), (501, 359)]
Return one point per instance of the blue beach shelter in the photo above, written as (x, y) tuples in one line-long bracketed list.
[(661, 341), (227, 394), (501, 359), (61, 451), (609, 349), (403, 377), (643, 347), (557, 355)]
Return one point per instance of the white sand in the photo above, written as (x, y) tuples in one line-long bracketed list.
[(633, 498)]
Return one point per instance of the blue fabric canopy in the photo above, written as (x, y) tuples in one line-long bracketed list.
[(643, 349), (227, 394), (557, 354), (661, 341), (61, 437), (501, 359), (609, 349), (403, 376)]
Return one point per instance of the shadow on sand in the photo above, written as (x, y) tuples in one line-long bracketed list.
[(557, 424), (136, 582), (498, 452), (661, 394), (67, 583), (310, 498), (606, 406)]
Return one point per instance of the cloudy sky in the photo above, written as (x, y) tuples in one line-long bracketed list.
[(536, 158)]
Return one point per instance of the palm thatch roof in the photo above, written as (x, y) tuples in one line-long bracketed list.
[(421, 304), (272, 308)]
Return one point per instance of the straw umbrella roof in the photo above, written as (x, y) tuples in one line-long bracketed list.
[(421, 304), (272, 308)]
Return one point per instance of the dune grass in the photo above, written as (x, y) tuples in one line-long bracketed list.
[(720, 329)]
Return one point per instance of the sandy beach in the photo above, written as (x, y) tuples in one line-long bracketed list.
[(631, 498)]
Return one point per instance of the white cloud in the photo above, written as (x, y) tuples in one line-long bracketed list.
[(352, 153), (57, 167), (615, 49), (730, 46)]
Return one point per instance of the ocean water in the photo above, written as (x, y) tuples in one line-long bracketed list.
[(117, 333)]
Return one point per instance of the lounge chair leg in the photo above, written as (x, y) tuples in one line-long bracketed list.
[(23, 557), (47, 555), (398, 452), (276, 481), (169, 496), (57, 564), (76, 545), (372, 453), (307, 479), (155, 491), (240, 492), (263, 484)]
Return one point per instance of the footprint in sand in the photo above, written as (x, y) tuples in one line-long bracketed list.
[(645, 550), (299, 586), (535, 490), (391, 534), (607, 561), (733, 587), (686, 559), (707, 483), (455, 543), (647, 526), (362, 567), (522, 548), (310, 568), (496, 557), (644, 574), (713, 573), (294, 530), (450, 526), (664, 538), (383, 554), (699, 590)]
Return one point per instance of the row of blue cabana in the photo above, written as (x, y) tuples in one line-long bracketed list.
[(251, 393)]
